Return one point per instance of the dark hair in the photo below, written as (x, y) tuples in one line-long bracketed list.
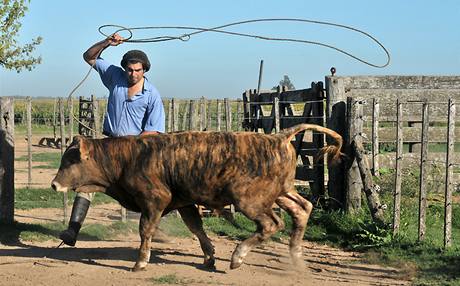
[(135, 56)]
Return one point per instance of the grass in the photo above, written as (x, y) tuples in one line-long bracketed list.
[(52, 160), (13, 233), (173, 225), (48, 198), (173, 279)]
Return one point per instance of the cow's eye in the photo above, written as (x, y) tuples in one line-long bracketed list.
[(70, 157)]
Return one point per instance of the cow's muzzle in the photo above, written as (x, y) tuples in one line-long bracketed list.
[(57, 187)]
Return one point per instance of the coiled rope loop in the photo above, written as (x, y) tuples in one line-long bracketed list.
[(219, 29)]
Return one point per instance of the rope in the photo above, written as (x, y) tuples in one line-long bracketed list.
[(218, 29)]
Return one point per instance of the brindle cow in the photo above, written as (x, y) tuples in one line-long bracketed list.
[(156, 174)]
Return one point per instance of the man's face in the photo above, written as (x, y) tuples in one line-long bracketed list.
[(134, 72)]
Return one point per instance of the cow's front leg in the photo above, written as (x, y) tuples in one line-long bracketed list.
[(147, 226), (152, 202)]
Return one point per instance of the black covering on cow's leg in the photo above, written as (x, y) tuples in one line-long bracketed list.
[(192, 219), (79, 211), (299, 209), (267, 224)]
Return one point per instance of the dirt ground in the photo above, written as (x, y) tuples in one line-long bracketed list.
[(108, 262), (176, 262)]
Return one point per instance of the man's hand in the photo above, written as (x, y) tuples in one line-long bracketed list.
[(95, 50), (145, 133), (115, 40)]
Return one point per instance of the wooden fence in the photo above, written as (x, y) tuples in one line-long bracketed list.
[(434, 136), (404, 121)]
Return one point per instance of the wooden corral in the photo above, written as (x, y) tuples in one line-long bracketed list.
[(406, 121)]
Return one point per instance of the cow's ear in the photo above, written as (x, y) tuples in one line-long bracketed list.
[(76, 141), (83, 145)]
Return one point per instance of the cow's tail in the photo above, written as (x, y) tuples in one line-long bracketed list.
[(333, 150)]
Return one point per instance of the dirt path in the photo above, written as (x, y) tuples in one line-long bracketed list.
[(108, 263), (177, 262)]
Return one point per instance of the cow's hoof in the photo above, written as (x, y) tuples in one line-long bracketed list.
[(209, 264), (297, 260), (138, 268), (236, 264), (298, 265)]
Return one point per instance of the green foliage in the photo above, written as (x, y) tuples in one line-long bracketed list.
[(286, 81), (12, 55), (349, 231)]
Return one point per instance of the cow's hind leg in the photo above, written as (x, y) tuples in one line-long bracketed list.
[(299, 209), (192, 219), (267, 224)]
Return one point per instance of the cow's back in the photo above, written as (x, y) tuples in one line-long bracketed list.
[(215, 167)]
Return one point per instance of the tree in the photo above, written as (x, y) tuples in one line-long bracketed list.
[(286, 82), (12, 55)]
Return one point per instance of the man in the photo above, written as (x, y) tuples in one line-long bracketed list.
[(134, 108)]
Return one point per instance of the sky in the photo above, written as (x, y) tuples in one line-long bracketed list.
[(422, 37)]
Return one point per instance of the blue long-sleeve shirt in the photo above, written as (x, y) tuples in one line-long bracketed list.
[(129, 116)]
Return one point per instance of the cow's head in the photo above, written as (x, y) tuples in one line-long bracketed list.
[(78, 168)]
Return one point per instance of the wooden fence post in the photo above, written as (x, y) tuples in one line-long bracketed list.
[(174, 116), (62, 134), (29, 141), (449, 173), (370, 189), (202, 113), (184, 118), (208, 116), (276, 110), (192, 117), (228, 115), (336, 118), (54, 119), (423, 171), (95, 116), (6, 160), (71, 115), (219, 114), (375, 136), (169, 128), (238, 114), (398, 174), (353, 177)]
